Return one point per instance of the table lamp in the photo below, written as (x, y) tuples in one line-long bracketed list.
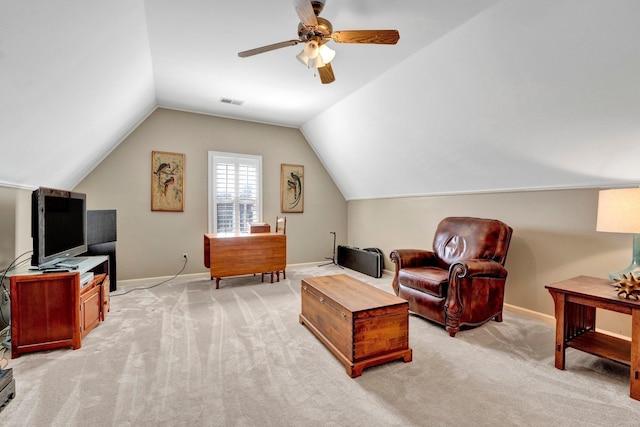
[(619, 212)]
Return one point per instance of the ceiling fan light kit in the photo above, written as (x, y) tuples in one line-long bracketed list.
[(315, 32), (308, 53), (314, 56)]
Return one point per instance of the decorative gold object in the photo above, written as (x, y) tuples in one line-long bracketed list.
[(628, 286)]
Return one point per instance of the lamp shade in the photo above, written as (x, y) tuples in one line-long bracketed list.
[(619, 210), (326, 53), (314, 55), (316, 62), (304, 60), (309, 53)]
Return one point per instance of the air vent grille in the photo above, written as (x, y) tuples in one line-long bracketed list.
[(231, 101)]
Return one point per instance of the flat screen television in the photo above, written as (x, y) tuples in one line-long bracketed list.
[(58, 225)]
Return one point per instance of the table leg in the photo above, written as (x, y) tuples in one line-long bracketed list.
[(635, 355), (559, 302)]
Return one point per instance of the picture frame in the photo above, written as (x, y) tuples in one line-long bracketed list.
[(291, 188), (167, 181)]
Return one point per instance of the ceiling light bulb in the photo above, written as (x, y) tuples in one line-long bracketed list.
[(311, 49), (327, 53), (310, 55)]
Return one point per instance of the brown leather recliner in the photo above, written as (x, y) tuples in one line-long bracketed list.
[(460, 282)]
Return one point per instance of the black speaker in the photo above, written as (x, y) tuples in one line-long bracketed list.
[(101, 239), (101, 227)]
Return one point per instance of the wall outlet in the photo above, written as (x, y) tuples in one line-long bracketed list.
[(184, 255)]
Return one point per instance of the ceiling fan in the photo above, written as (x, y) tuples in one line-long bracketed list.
[(315, 32)]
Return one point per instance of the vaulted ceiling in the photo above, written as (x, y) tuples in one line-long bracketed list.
[(478, 95)]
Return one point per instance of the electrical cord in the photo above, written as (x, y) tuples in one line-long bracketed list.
[(4, 360), (153, 286), (13, 265), (4, 335)]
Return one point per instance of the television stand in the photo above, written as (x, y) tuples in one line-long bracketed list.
[(64, 264), (7, 387), (54, 310)]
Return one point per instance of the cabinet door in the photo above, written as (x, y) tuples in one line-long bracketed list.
[(90, 304), (44, 312)]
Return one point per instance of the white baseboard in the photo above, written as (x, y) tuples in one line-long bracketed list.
[(150, 280), (551, 320), (544, 318), (205, 275)]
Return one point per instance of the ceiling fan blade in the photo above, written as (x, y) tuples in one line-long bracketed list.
[(267, 48), (366, 36), (305, 12), (326, 74)]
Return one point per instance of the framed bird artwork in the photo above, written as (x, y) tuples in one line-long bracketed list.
[(167, 181), (291, 188)]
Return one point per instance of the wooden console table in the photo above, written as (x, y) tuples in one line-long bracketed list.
[(576, 301), (236, 254)]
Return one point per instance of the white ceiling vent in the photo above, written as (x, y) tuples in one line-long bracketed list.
[(231, 101)]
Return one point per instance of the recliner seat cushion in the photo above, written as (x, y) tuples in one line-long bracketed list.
[(432, 280)]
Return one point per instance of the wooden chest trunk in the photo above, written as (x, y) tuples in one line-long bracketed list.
[(361, 325)]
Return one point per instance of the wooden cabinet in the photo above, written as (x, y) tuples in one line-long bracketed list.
[(91, 305), (55, 310)]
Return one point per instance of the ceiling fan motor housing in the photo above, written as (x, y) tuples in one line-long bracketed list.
[(322, 33)]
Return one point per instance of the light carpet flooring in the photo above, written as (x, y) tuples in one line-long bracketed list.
[(186, 354)]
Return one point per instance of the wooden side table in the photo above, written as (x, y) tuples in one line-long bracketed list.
[(576, 300)]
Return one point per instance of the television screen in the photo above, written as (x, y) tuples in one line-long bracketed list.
[(59, 228)]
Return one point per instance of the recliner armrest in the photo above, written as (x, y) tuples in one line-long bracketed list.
[(404, 258), (478, 267)]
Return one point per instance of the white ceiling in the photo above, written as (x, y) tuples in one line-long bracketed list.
[(478, 95)]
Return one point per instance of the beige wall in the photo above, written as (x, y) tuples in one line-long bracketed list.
[(15, 224), (15, 237), (554, 231), (7, 226), (151, 244), (554, 238)]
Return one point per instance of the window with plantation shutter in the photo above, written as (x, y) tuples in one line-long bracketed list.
[(235, 191)]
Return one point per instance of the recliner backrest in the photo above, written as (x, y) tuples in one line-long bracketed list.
[(459, 238)]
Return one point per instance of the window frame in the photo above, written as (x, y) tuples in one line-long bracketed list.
[(215, 157)]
